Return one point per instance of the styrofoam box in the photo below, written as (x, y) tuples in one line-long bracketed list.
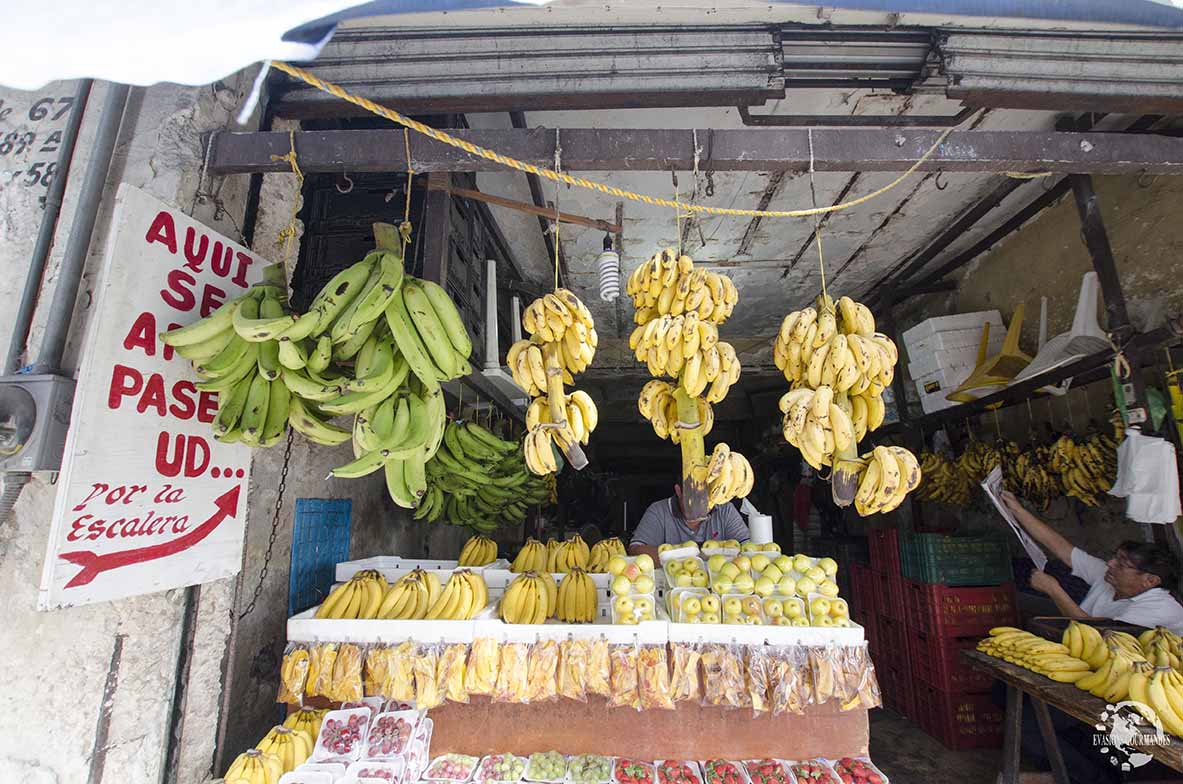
[(958, 340), (305, 627), (497, 579), (943, 380), (966, 357), (917, 336), (396, 566)]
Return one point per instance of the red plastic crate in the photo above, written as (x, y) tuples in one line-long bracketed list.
[(885, 550), (942, 611), (864, 591), (897, 686), (893, 648), (937, 662), (959, 721), (871, 633), (890, 595)]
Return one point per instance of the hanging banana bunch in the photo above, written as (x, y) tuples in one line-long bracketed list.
[(678, 312), (945, 482), (838, 367), (562, 343)]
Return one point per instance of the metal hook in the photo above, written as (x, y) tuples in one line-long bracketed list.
[(1145, 179), (344, 178), (937, 181)]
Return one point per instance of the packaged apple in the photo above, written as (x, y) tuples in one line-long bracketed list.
[(730, 575), (390, 734), (828, 612), (546, 766), (766, 771), (500, 769), (653, 678), (391, 771), (589, 769), (690, 572), (858, 770), (307, 777), (724, 772), (633, 608), (342, 735), (670, 552), (725, 547), (685, 604), (684, 683), (678, 772), (814, 771), (630, 771), (784, 610), (750, 548), (631, 575), (741, 609), (451, 767)]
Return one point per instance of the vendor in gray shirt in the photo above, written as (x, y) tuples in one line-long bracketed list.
[(664, 522)]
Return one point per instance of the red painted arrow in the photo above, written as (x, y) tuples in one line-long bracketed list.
[(93, 564)]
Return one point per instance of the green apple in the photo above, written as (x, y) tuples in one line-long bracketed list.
[(692, 565), (828, 588), (732, 606), (710, 604), (729, 570), (674, 568), (829, 566), (825, 620), (643, 605), (744, 583), (688, 543), (815, 573), (643, 584), (786, 586), (742, 562), (749, 547), (772, 573), (794, 608), (683, 580), (722, 586), (731, 544), (710, 617), (805, 586), (780, 620), (751, 605), (692, 606), (819, 607), (760, 562), (699, 579), (784, 563), (772, 547), (616, 565), (711, 544), (644, 563), (800, 620), (764, 587), (839, 608), (662, 548), (802, 563), (715, 562), (623, 606), (621, 586), (773, 608), (845, 623)]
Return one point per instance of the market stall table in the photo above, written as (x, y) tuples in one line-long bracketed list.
[(1046, 693)]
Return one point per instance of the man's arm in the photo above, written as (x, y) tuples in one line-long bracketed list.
[(1050, 586), (636, 548), (1040, 531)]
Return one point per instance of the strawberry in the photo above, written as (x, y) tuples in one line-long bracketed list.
[(633, 772)]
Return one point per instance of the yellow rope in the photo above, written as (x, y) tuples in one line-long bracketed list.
[(288, 232), (550, 174), (404, 228)]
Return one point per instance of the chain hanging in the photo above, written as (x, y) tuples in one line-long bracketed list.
[(283, 481)]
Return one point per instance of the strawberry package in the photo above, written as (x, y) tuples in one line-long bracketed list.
[(766, 771), (390, 734), (724, 772), (678, 772), (816, 771), (342, 735), (858, 770), (391, 772), (451, 768), (630, 771)]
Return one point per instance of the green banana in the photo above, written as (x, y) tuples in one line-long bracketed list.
[(414, 474), (313, 427), (254, 415), (308, 388), (373, 302), (207, 349), (292, 354), (366, 464), (319, 357), (481, 434), (430, 330), (381, 417), (448, 315), (380, 369), (268, 360), (396, 484), (278, 406), (200, 331), (341, 328), (409, 344), (252, 325), (338, 293), (230, 406), (353, 402), (247, 363), (349, 349)]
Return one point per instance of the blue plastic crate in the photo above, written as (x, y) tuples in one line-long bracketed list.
[(320, 539)]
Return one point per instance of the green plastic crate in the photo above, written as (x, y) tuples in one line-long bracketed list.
[(955, 560)]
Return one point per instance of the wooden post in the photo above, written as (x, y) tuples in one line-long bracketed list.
[(436, 228)]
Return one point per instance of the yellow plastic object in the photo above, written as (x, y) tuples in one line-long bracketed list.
[(991, 374)]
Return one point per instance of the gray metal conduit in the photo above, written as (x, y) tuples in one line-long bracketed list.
[(49, 222)]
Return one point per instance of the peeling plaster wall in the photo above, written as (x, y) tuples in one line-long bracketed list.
[(64, 656)]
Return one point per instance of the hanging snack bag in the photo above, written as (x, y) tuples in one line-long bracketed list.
[(347, 685), (825, 668), (759, 667), (684, 683), (400, 686), (622, 686), (713, 688), (653, 677), (322, 658), (376, 671), (428, 693), (512, 674), (573, 669), (293, 674), (542, 671), (599, 667), (450, 675), (480, 676)]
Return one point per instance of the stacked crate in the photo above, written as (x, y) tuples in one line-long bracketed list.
[(890, 641), (956, 588)]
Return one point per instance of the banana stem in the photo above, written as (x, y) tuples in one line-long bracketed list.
[(557, 403), (695, 498), (387, 237)]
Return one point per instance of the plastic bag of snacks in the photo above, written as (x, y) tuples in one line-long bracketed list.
[(451, 767), (724, 772), (376, 671), (631, 771), (390, 734), (678, 772), (401, 683), (759, 666), (484, 660), (792, 688), (723, 676), (713, 688), (825, 667), (599, 667), (512, 674), (342, 735), (684, 683), (392, 771), (766, 771), (542, 669), (428, 694), (321, 659), (815, 771), (623, 683), (546, 766), (347, 685), (862, 685), (573, 669), (590, 769), (450, 675), (293, 674), (653, 676), (858, 770)]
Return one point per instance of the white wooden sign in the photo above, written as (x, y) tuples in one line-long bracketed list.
[(147, 500)]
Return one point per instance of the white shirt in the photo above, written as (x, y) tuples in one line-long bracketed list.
[(1155, 607)]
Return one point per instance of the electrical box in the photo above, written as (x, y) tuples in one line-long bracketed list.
[(34, 419)]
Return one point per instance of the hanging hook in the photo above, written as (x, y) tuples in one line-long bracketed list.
[(344, 178), (1145, 179), (937, 181)]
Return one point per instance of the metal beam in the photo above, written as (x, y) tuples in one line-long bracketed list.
[(744, 149)]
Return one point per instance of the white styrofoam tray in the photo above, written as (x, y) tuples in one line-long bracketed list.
[(396, 566), (304, 627), (958, 322)]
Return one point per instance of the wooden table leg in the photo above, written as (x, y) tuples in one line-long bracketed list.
[(1012, 738), (1051, 743)]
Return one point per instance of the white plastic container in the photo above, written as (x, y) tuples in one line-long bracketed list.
[(922, 334), (299, 776), (571, 779), (462, 770), (706, 766), (690, 767), (342, 736), (391, 771)]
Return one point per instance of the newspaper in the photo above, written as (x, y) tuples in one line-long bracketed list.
[(993, 487)]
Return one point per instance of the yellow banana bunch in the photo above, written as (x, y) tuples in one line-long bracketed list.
[(729, 475), (528, 599), (568, 556), (602, 552), (836, 346), (669, 285), (293, 747), (658, 404), (254, 767), (1087, 468), (1161, 643), (822, 424), (411, 597), (551, 316), (1045, 657), (890, 473), (359, 597), (688, 349), (944, 481), (531, 558), (307, 720), (478, 551), (1031, 477), (463, 596), (577, 600)]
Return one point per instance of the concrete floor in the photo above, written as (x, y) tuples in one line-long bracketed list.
[(907, 755)]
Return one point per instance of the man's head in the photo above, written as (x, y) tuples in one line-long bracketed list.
[(693, 524), (1138, 566)]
